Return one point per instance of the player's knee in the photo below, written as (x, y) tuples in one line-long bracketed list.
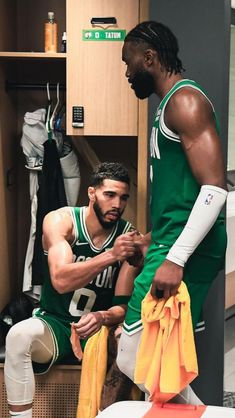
[(122, 363), (17, 342), (119, 362)]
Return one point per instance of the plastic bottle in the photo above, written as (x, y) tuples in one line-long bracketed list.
[(63, 42), (51, 33)]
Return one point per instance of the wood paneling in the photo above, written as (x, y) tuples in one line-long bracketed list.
[(230, 290), (31, 18), (8, 22), (96, 73), (8, 176)]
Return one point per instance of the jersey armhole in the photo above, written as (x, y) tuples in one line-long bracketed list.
[(74, 213), (127, 227), (162, 126)]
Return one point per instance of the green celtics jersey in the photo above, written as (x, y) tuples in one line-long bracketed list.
[(98, 294), (174, 189)]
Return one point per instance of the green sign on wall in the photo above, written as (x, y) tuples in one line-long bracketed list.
[(103, 35)]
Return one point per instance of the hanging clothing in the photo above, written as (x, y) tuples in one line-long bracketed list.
[(51, 196), (27, 282), (34, 135), (71, 175)]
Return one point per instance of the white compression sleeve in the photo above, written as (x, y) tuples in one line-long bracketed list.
[(204, 213), (26, 341), (127, 352), (23, 414)]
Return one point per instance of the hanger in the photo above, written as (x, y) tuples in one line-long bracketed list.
[(56, 106), (48, 106), (48, 112), (59, 118)]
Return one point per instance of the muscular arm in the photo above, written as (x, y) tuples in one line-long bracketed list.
[(67, 276), (190, 115), (91, 323)]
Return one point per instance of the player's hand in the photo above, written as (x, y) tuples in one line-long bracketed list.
[(89, 324), (167, 279), (137, 259), (124, 246), (141, 247)]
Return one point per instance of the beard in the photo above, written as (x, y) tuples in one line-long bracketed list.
[(100, 216), (142, 84)]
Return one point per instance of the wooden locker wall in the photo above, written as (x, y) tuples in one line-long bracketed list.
[(97, 71)]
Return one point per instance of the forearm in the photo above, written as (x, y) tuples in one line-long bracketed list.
[(68, 277), (91, 323), (113, 316), (204, 213)]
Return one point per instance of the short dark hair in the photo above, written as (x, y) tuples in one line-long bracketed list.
[(109, 170), (159, 37)]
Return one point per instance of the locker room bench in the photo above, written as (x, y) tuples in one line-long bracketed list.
[(138, 409), (56, 391)]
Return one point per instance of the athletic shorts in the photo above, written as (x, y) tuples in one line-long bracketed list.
[(199, 273), (61, 332)]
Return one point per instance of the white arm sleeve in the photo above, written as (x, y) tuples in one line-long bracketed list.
[(202, 217)]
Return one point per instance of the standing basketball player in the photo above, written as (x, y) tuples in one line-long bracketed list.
[(188, 188)]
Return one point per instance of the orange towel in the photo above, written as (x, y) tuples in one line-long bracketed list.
[(75, 342), (171, 410), (166, 360)]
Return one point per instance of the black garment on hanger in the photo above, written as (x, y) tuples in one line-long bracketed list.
[(51, 195)]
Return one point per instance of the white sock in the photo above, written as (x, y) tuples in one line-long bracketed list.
[(23, 414)]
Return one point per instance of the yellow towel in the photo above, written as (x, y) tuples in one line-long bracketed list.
[(94, 365), (166, 359)]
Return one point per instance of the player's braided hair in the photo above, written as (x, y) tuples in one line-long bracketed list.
[(159, 37), (109, 170)]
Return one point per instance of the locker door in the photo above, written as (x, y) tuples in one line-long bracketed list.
[(95, 72)]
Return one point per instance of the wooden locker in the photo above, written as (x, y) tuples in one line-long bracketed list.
[(95, 71)]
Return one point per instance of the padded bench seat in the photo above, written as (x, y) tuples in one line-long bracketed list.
[(138, 409)]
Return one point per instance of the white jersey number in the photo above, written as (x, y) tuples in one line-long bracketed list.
[(74, 304)]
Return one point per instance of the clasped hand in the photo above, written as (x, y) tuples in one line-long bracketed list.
[(124, 246), (89, 324), (167, 279), (141, 246)]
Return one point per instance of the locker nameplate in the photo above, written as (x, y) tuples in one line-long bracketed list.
[(103, 35)]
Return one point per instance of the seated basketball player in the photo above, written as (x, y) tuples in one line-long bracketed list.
[(85, 248)]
